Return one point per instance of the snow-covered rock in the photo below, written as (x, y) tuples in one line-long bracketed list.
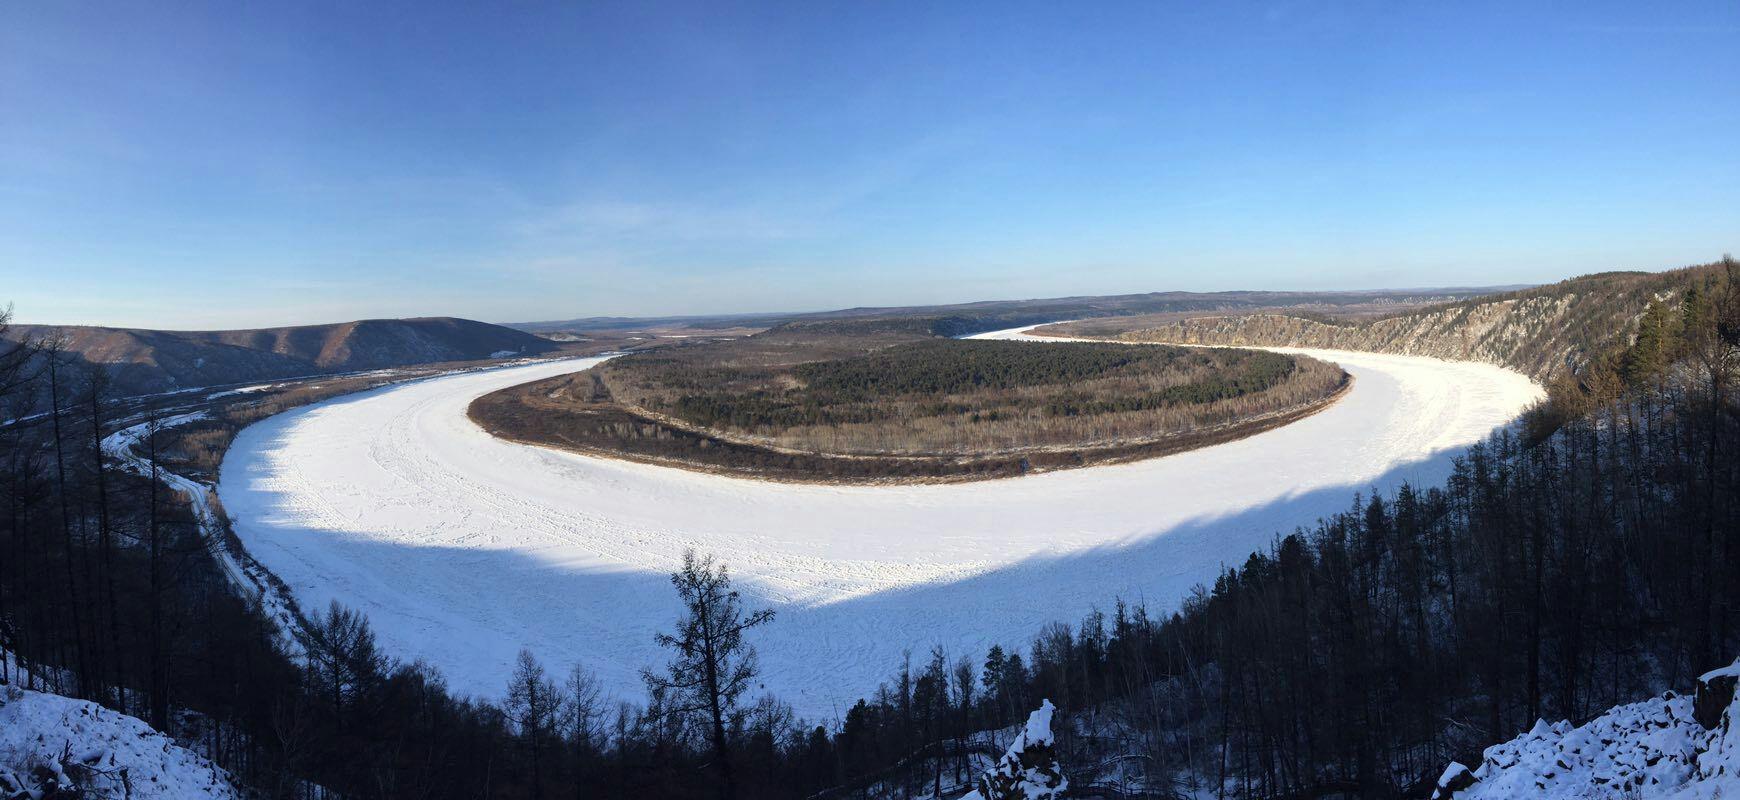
[(1455, 778), (1029, 771), (1659, 748), (53, 746), (1715, 694), (1719, 764)]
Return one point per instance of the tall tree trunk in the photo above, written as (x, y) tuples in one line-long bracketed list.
[(72, 590), (106, 545), (158, 696), (721, 749)]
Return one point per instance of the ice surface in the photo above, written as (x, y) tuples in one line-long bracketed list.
[(244, 390), (462, 548)]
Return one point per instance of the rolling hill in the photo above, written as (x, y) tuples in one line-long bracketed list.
[(149, 361), (993, 314), (1540, 331)]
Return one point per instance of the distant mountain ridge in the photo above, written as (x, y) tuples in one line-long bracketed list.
[(1541, 331), (143, 361), (988, 314)]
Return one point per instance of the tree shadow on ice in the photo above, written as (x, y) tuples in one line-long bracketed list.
[(823, 656), (468, 612)]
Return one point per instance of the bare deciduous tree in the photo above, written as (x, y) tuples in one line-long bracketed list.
[(538, 708)]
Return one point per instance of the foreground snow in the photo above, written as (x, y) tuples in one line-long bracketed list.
[(462, 549), (49, 742), (1656, 749)]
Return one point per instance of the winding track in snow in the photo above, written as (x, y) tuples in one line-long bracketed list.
[(462, 548)]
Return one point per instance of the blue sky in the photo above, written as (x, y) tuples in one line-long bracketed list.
[(243, 164)]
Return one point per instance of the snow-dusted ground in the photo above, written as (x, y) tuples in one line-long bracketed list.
[(51, 742), (1649, 750), (462, 548)]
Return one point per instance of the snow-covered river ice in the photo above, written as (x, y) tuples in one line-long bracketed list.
[(462, 548)]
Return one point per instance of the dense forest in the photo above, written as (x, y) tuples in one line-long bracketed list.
[(1592, 557)]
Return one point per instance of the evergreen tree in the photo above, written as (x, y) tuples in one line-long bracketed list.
[(713, 664)]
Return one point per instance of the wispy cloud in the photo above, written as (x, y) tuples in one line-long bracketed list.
[(1662, 29), (314, 285), (607, 221), (605, 228)]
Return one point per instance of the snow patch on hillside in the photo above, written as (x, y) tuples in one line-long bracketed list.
[(244, 390), (1653, 750), (57, 746)]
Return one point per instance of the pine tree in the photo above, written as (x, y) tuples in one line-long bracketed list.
[(713, 664)]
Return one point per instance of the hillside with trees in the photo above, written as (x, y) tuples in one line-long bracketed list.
[(145, 361), (1542, 332)]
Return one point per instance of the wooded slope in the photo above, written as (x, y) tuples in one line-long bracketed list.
[(145, 361), (1540, 331)]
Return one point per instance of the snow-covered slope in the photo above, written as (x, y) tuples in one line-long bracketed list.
[(50, 743), (462, 549), (1672, 747)]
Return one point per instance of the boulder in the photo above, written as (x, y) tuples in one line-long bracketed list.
[(1455, 778), (1715, 694)]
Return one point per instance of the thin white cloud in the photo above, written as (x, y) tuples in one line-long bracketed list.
[(605, 221)]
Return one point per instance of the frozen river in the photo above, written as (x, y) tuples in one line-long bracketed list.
[(462, 548)]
